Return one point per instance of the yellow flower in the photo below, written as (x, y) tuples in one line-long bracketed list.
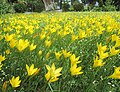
[(114, 37), (74, 60), (81, 34), (9, 37), (52, 73), (31, 29), (12, 43), (40, 52), (113, 51), (117, 44), (31, 70), (101, 48), (2, 58), (66, 54), (42, 36), (58, 54), (74, 37), (37, 71), (116, 73), (32, 47), (98, 62), (22, 44), (15, 82), (75, 70), (48, 43), (47, 55), (7, 51), (101, 51), (103, 55)]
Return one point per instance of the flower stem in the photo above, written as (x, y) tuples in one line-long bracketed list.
[(50, 87)]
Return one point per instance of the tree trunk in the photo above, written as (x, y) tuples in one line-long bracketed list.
[(49, 4), (60, 4)]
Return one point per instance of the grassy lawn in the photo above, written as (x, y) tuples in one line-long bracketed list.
[(60, 52)]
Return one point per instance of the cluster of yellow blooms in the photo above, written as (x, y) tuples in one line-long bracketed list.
[(39, 33), (74, 69), (98, 61)]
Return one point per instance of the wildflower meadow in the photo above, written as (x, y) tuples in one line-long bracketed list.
[(60, 52)]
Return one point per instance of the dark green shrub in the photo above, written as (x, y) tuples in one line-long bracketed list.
[(71, 8), (30, 7), (5, 7), (97, 8), (20, 7), (109, 6), (65, 6), (78, 6), (35, 6)]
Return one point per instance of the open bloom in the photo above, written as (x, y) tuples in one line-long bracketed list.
[(81, 34), (101, 51), (2, 58), (9, 37), (74, 37), (22, 44), (48, 43), (15, 82), (58, 54), (103, 55), (74, 59), (52, 74), (75, 70), (32, 47), (114, 37), (31, 70), (113, 51), (98, 62), (116, 73), (66, 54), (12, 43), (101, 48)]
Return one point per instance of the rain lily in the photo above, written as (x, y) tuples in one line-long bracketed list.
[(75, 70), (9, 37), (98, 62), (32, 47), (22, 44), (12, 43), (2, 58), (58, 54), (116, 73), (52, 74), (66, 54), (48, 43), (113, 51), (31, 70), (15, 82), (74, 59), (114, 37)]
